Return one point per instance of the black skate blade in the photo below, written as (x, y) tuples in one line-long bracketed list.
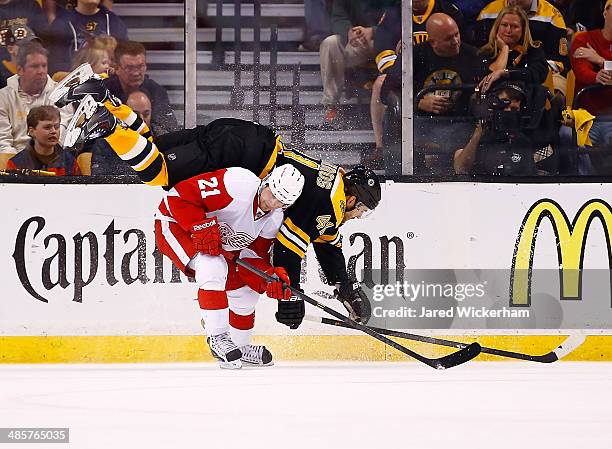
[(457, 358)]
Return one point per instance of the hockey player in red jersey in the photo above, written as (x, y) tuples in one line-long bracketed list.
[(203, 224)]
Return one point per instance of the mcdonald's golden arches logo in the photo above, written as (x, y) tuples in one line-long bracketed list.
[(570, 239)]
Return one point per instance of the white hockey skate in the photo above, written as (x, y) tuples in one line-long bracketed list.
[(91, 120), (225, 350), (256, 355), (75, 78), (79, 83)]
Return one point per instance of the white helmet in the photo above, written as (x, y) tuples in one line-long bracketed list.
[(286, 183)]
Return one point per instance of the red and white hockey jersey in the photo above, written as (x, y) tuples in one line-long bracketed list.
[(230, 194)]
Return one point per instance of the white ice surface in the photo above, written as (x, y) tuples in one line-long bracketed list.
[(314, 405)]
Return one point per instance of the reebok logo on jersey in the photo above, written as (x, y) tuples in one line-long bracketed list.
[(202, 226)]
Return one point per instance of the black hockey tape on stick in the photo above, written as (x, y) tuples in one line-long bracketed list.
[(568, 345), (456, 358)]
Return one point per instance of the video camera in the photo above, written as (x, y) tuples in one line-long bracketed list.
[(493, 111)]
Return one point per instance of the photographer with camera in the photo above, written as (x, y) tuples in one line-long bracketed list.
[(505, 141)]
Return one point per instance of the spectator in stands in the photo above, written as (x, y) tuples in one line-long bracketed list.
[(351, 45), (108, 43), (387, 43), (590, 50), (130, 75), (97, 56), (78, 27), (55, 8), (443, 59), (511, 52), (499, 144), (583, 15), (316, 19), (43, 151), (388, 36), (546, 25), (140, 102), (12, 37), (470, 8), (20, 13), (23, 13), (29, 88)]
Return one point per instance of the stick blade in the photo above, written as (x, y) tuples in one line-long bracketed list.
[(566, 347), (458, 357)]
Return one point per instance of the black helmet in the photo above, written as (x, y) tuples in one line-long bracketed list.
[(364, 184)]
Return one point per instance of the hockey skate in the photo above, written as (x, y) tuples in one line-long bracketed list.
[(81, 82), (225, 350), (90, 121), (256, 355)]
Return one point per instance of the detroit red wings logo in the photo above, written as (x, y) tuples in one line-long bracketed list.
[(234, 239)]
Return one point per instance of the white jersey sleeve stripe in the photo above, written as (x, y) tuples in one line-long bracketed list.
[(174, 244)]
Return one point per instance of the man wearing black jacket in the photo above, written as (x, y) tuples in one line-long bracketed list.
[(130, 75)]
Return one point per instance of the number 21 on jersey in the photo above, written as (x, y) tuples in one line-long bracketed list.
[(209, 187)]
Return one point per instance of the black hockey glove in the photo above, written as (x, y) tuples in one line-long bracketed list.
[(354, 299), (290, 312)]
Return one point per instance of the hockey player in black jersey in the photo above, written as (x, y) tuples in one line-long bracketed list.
[(330, 197)]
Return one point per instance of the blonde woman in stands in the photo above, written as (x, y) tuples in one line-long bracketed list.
[(511, 52)]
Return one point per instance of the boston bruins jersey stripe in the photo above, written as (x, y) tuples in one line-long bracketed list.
[(278, 148), (281, 238), (335, 240), (293, 238), (155, 174), (292, 229), (302, 159), (142, 156)]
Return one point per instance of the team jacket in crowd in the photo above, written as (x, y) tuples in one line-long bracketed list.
[(71, 30), (231, 196), (388, 36), (25, 13), (61, 162), (433, 70), (546, 24)]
